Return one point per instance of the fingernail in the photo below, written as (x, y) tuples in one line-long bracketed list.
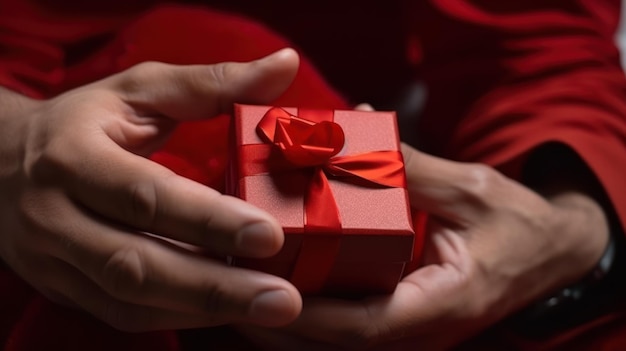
[(257, 239), (364, 107), (271, 306)]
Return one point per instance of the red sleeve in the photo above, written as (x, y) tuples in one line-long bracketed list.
[(505, 77), (38, 37)]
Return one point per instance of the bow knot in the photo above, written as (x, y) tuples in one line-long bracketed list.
[(303, 143)]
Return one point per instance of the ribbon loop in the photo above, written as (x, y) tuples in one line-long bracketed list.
[(385, 168), (302, 142)]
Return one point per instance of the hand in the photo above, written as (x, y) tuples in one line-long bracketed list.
[(87, 220), (493, 247)]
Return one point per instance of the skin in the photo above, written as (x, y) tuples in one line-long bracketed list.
[(79, 199), (486, 256)]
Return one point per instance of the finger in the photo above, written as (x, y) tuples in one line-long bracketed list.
[(364, 107), (452, 190), (81, 292), (150, 272), (141, 194), (201, 91)]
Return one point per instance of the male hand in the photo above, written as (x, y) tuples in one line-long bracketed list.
[(493, 246), (88, 220)]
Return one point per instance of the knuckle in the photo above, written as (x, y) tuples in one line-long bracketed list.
[(142, 204), (52, 161), (479, 177), (145, 68), (217, 79), (480, 182), (65, 126), (124, 274), (134, 78), (214, 302), (218, 73)]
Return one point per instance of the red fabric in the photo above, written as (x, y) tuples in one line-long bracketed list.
[(503, 77), (543, 71)]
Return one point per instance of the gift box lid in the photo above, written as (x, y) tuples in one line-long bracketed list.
[(375, 221)]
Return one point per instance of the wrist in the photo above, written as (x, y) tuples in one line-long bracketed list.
[(583, 234), (598, 292), (574, 238), (580, 221), (580, 282)]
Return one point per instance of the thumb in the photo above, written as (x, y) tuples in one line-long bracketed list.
[(201, 91), (452, 190)]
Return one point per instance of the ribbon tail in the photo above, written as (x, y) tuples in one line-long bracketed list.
[(315, 262), (321, 212), (385, 168), (320, 249)]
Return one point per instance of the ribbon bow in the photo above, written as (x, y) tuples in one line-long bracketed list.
[(312, 141)]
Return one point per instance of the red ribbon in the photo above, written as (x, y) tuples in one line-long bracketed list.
[(311, 141)]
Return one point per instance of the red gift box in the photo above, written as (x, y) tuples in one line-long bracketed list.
[(335, 181)]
